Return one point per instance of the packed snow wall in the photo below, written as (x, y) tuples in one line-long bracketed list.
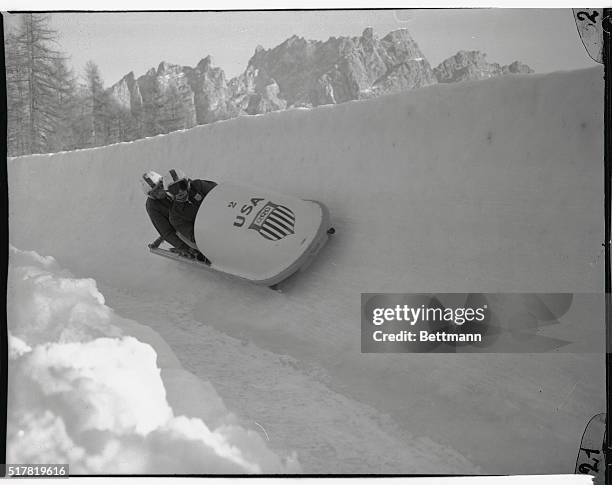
[(482, 186), (465, 186)]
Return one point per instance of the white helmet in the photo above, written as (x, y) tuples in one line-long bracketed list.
[(149, 181), (174, 175)]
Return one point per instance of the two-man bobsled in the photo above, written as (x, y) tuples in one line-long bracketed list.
[(257, 235)]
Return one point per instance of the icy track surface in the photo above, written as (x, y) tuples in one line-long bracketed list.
[(482, 186)]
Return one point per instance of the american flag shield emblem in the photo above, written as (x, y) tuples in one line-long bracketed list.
[(274, 221)]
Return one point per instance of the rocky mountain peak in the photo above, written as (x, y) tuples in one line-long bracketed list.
[(126, 93), (517, 67), (293, 42), (165, 67), (398, 35), (205, 63), (297, 72), (368, 33), (473, 65), (128, 78), (340, 69)]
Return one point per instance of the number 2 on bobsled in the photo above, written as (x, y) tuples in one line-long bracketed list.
[(257, 235)]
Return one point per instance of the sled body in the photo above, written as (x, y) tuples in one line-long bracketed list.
[(259, 235)]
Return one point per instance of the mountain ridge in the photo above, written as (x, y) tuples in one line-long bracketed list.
[(295, 73)]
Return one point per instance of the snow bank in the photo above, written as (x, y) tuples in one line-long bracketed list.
[(85, 391)]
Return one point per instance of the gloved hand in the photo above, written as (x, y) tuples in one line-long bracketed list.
[(156, 243)]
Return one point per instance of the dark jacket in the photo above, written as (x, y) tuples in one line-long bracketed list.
[(159, 212), (183, 214)]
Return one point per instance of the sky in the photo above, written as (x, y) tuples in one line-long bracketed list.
[(120, 42)]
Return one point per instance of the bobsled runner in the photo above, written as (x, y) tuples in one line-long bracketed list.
[(256, 235)]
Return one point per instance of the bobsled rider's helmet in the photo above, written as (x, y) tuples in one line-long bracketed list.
[(152, 184), (177, 184)]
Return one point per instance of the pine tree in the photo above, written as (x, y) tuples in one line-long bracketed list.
[(65, 85), (37, 64), (82, 121), (173, 114), (16, 85), (151, 109), (38, 84), (98, 105)]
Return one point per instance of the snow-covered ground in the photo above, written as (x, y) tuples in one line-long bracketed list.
[(484, 186)]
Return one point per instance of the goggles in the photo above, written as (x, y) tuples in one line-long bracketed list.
[(177, 187), (158, 186)]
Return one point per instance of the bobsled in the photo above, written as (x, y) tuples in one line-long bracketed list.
[(257, 235)]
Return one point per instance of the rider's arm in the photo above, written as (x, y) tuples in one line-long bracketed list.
[(165, 229), (202, 187), (182, 225), (175, 241)]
